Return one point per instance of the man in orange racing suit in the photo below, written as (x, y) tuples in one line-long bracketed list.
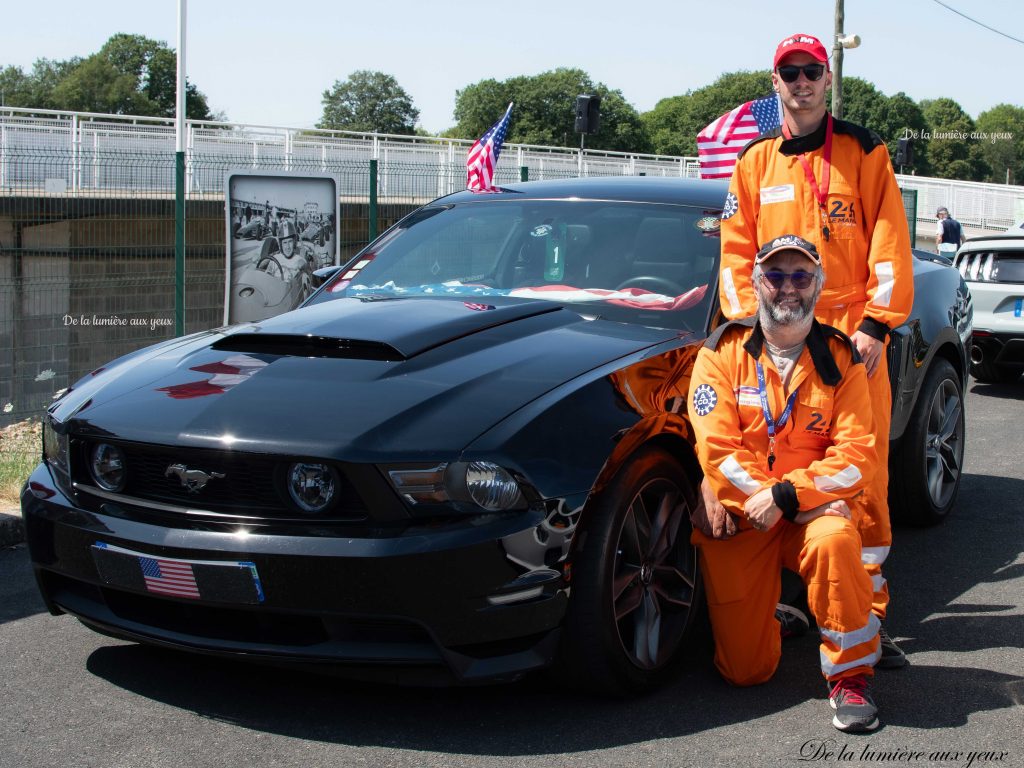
[(832, 183), (781, 413)]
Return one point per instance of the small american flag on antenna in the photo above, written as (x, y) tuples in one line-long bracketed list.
[(483, 156), (719, 144)]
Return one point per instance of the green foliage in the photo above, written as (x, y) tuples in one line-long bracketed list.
[(891, 117), (1001, 141), (674, 122), (369, 101), (129, 75), (545, 111), (951, 150)]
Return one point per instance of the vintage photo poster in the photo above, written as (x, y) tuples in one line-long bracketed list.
[(281, 227)]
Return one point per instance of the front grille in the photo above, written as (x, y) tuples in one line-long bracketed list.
[(252, 484)]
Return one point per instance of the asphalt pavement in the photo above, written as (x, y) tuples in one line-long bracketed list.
[(76, 698)]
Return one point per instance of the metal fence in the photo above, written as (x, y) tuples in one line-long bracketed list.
[(87, 222)]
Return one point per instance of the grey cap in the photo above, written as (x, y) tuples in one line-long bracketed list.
[(787, 243)]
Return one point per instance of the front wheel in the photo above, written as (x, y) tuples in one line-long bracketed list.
[(927, 468), (636, 585)]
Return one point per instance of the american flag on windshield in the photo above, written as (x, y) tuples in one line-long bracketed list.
[(720, 142), (483, 156)]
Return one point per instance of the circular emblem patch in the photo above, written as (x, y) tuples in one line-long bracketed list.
[(708, 224), (731, 206), (704, 399)]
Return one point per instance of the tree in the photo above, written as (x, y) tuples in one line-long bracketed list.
[(951, 151), (1001, 140), (545, 111), (891, 117), (674, 122), (369, 101), (130, 74)]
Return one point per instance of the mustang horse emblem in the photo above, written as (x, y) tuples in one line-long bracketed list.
[(193, 479)]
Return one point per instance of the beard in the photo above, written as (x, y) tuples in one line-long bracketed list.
[(779, 312)]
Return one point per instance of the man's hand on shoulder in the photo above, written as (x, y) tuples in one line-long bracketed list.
[(870, 350), (710, 517)]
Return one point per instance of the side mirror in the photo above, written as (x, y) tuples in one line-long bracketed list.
[(322, 275)]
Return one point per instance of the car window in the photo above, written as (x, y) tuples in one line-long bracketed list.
[(631, 262)]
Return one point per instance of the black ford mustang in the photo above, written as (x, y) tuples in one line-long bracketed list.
[(467, 454)]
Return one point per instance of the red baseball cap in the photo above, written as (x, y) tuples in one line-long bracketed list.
[(803, 43)]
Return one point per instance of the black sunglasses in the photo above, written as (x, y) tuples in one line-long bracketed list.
[(801, 280), (790, 72)]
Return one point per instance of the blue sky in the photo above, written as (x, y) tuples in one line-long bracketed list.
[(268, 63)]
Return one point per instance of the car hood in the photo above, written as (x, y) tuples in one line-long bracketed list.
[(358, 380)]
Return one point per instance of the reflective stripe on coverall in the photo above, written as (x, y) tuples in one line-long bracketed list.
[(826, 450), (867, 261)]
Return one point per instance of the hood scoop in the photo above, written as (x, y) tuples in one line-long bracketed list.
[(396, 330), (294, 345)]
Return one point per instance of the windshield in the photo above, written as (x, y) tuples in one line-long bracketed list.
[(650, 264)]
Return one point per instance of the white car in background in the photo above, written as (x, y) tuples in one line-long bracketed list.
[(993, 267)]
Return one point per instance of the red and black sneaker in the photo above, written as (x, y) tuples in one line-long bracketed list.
[(855, 709)]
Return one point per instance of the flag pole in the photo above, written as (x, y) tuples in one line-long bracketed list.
[(179, 179)]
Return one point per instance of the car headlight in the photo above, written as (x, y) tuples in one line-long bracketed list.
[(107, 467), (468, 486), (312, 486), (55, 446), (491, 486)]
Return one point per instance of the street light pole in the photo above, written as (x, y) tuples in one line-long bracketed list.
[(179, 179), (837, 65)]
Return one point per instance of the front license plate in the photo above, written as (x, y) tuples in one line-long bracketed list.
[(221, 581)]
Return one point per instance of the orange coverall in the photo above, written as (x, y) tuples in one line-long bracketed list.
[(826, 451), (868, 265)]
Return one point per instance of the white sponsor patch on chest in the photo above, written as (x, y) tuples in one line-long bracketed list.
[(779, 194), (748, 396)]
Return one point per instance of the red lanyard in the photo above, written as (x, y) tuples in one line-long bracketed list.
[(820, 193)]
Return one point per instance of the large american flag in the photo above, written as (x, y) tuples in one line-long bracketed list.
[(720, 142), (483, 156)]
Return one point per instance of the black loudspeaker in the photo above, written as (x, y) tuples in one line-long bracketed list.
[(904, 152), (588, 114)]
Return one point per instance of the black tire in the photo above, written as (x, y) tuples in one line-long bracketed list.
[(990, 373), (929, 462), (635, 597)]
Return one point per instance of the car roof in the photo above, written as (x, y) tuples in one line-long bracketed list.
[(704, 193)]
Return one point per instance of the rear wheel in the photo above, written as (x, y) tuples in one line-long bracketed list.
[(635, 582), (929, 462)]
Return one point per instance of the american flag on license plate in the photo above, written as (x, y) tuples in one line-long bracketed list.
[(483, 156), (720, 142), (169, 577)]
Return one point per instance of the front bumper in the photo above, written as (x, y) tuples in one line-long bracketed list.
[(474, 600)]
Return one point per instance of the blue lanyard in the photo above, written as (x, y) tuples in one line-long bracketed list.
[(773, 426)]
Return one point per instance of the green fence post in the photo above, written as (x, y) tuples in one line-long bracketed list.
[(910, 209), (373, 200), (524, 173)]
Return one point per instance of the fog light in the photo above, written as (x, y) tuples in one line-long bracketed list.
[(490, 486), (312, 486), (106, 465)]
